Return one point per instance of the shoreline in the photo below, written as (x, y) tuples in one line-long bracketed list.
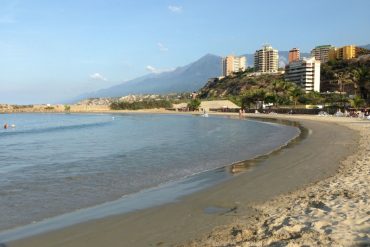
[(330, 212), (191, 209), (175, 190)]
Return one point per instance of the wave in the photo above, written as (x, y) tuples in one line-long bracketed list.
[(54, 129)]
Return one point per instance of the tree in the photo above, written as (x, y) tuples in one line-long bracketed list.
[(343, 80), (336, 100), (194, 104), (253, 96), (362, 80), (246, 101), (314, 98), (67, 108), (357, 102), (270, 99), (295, 92)]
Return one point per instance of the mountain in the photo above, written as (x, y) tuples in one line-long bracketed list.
[(183, 79), (366, 46)]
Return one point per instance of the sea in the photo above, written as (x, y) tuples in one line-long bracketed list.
[(53, 164)]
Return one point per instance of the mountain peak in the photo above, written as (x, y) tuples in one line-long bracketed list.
[(187, 78), (209, 55)]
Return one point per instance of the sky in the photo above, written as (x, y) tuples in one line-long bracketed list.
[(54, 50)]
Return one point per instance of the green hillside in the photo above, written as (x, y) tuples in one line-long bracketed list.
[(351, 77), (341, 81)]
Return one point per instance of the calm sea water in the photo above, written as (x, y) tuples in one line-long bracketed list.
[(56, 163)]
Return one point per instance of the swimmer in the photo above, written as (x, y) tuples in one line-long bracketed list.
[(5, 125)]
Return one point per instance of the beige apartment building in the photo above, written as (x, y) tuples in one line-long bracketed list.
[(321, 53), (232, 64), (266, 60)]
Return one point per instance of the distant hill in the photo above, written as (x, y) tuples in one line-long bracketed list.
[(187, 78), (366, 46), (183, 79)]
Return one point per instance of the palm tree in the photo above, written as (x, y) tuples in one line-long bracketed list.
[(295, 92), (342, 80), (362, 81), (357, 102), (280, 90), (314, 98)]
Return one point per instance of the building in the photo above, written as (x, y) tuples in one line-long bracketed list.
[(218, 105), (304, 72), (321, 53), (294, 55), (207, 106), (343, 53), (266, 60), (232, 64)]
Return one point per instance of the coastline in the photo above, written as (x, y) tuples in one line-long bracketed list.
[(185, 220), (167, 192)]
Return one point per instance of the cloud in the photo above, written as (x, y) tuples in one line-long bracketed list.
[(154, 70), (98, 77), (175, 9), (162, 47)]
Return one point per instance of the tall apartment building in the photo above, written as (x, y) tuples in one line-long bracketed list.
[(342, 53), (305, 73), (294, 55), (266, 60), (321, 53), (232, 64)]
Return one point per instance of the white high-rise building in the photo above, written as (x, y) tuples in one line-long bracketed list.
[(266, 60), (305, 73), (232, 64)]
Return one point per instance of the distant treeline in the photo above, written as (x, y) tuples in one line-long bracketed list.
[(146, 104)]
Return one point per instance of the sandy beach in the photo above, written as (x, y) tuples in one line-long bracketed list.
[(331, 212), (313, 192)]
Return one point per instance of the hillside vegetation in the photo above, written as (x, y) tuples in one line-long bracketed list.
[(351, 77), (237, 84), (342, 83)]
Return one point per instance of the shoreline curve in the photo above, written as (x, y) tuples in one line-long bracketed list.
[(182, 221)]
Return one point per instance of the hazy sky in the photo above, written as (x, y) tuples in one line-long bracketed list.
[(52, 50)]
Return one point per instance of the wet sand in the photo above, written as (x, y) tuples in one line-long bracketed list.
[(313, 159)]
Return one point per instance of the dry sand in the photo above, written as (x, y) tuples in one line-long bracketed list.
[(332, 210)]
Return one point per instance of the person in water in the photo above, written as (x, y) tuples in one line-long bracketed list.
[(5, 125)]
